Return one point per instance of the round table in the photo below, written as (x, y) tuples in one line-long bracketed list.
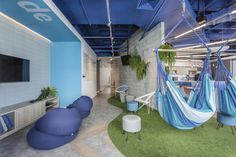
[(131, 124)]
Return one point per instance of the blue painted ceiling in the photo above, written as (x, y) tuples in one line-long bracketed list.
[(52, 28), (213, 9), (217, 30), (90, 18)]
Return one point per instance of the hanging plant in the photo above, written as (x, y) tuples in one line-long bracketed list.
[(167, 56), (141, 70), (139, 65)]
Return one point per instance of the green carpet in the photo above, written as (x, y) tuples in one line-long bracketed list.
[(161, 140)]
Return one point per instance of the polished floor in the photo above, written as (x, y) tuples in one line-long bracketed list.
[(92, 140)]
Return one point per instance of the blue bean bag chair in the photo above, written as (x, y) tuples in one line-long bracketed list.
[(84, 105), (226, 120), (43, 141), (57, 127), (59, 121)]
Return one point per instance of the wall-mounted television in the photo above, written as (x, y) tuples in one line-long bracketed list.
[(13, 69), (125, 60)]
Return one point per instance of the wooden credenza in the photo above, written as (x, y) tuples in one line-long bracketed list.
[(26, 113)]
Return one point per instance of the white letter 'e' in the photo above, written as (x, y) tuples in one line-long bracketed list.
[(42, 17)]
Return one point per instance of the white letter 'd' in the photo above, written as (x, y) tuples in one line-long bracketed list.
[(31, 7)]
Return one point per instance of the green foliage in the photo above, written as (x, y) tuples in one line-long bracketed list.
[(167, 56), (53, 91), (47, 92), (141, 70), (134, 59), (139, 65)]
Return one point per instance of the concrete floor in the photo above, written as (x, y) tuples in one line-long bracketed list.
[(92, 140)]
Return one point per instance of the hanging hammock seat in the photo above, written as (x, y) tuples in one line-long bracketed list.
[(225, 86), (178, 112)]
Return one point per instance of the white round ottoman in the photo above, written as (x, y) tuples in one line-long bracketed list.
[(131, 124)]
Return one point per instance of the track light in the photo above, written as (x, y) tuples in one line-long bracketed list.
[(208, 44), (196, 28), (233, 12)]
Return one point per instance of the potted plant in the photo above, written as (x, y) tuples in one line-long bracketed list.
[(46, 92), (167, 57)]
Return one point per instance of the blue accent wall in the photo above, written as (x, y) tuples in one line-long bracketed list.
[(66, 72)]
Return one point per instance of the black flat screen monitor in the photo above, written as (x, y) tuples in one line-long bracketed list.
[(13, 69), (125, 60)]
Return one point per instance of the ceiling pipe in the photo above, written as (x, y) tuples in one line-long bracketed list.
[(204, 55), (103, 37), (109, 25), (110, 50), (218, 36), (106, 46), (225, 58)]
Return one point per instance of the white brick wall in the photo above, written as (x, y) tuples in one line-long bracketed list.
[(19, 42), (145, 46)]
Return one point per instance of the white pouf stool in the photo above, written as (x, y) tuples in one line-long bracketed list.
[(131, 124)]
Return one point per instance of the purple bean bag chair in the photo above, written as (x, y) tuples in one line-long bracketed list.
[(43, 141), (57, 127), (59, 121), (84, 105)]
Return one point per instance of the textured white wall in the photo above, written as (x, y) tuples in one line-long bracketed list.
[(105, 74), (19, 42), (89, 60), (144, 47)]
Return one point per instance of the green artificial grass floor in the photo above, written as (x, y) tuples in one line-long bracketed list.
[(161, 140)]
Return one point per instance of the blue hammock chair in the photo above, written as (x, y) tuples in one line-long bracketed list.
[(225, 86), (225, 89), (172, 106), (200, 106)]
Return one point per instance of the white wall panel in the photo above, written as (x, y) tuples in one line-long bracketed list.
[(19, 42)]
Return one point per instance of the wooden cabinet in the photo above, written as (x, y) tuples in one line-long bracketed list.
[(38, 110), (27, 113)]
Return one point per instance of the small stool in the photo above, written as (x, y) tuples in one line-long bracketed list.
[(131, 124), (226, 120), (132, 106)]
